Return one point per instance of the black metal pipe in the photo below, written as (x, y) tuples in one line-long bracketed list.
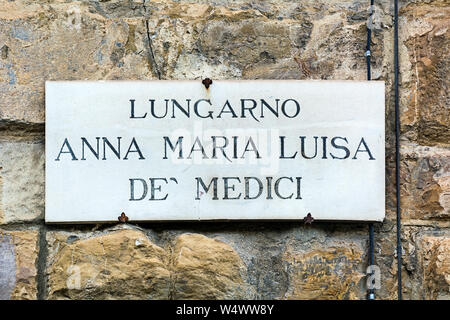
[(369, 39), (371, 291), (368, 54), (371, 244), (397, 152)]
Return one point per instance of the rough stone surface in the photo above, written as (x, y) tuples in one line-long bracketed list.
[(206, 268), (224, 39), (425, 178), (122, 264), (18, 258), (436, 263), (125, 262), (21, 181), (425, 39), (62, 41), (325, 273)]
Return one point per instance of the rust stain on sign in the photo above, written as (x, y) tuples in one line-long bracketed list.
[(207, 82)]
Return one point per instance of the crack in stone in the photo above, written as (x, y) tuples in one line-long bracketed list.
[(151, 55)]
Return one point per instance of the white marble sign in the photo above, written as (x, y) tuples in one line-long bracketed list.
[(175, 150)]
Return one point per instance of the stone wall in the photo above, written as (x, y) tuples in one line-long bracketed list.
[(224, 39)]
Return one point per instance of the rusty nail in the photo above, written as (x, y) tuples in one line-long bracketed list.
[(308, 219), (207, 82), (123, 218)]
